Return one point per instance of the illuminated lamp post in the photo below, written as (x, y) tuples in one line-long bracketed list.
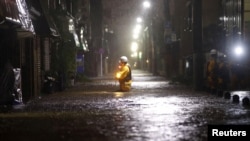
[(146, 4)]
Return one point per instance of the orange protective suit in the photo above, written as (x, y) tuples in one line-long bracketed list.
[(124, 77)]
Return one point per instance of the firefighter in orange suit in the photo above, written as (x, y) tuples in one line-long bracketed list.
[(124, 75)]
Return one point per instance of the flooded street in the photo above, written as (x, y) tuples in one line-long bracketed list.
[(57, 56), (154, 110)]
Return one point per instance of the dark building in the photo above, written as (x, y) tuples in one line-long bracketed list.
[(32, 39)]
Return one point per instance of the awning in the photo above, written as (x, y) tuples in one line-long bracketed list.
[(14, 14), (8, 8), (43, 23), (27, 17)]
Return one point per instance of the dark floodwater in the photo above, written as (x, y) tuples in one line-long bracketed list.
[(154, 110)]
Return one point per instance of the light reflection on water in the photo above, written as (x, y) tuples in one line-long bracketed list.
[(144, 115), (151, 84), (160, 105), (159, 118), (175, 118)]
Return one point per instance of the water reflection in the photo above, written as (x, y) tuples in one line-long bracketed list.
[(118, 94), (157, 118)]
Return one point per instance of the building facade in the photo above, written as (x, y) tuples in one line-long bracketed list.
[(36, 37)]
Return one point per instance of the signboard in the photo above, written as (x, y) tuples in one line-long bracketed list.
[(101, 50), (80, 63)]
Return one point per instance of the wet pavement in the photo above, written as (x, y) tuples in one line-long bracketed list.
[(154, 110)]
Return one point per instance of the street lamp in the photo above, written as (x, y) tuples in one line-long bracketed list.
[(139, 20), (134, 47), (137, 28), (239, 53), (71, 26), (136, 31), (238, 50), (146, 4)]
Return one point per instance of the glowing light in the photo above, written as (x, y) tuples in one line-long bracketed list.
[(146, 4), (135, 36), (140, 54), (137, 28), (134, 47), (139, 20), (134, 55), (118, 94), (187, 64), (118, 75), (238, 50)]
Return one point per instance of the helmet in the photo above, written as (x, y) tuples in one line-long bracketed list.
[(124, 59), (213, 52)]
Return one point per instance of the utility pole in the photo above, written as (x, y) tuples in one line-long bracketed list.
[(198, 56)]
